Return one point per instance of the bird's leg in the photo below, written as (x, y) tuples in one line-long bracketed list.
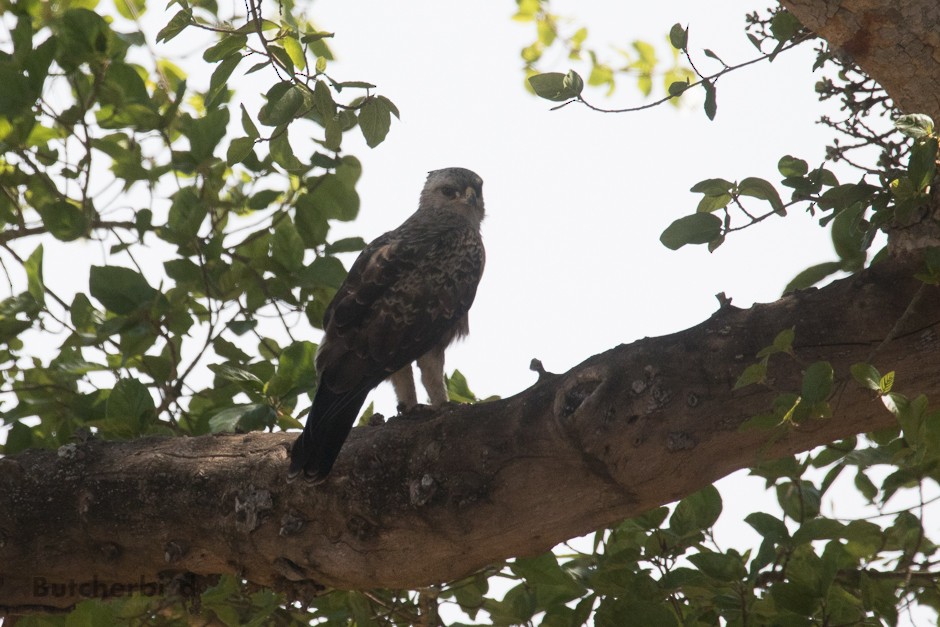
[(404, 383), (432, 376)]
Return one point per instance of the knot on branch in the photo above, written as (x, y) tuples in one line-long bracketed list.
[(174, 550), (576, 390), (249, 507), (422, 490)]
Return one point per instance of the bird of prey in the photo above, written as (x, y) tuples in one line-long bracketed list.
[(405, 299)]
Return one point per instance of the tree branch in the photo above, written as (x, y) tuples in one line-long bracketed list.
[(895, 43), (430, 497)]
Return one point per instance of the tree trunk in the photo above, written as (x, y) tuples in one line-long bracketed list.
[(431, 497), (896, 43)]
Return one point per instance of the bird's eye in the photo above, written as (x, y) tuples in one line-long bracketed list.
[(450, 192)]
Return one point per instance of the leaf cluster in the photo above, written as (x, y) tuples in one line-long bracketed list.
[(101, 140), (640, 62)]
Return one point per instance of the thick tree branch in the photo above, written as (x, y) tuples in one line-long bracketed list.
[(896, 43), (431, 497)]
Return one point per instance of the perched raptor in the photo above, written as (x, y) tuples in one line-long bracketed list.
[(405, 299)]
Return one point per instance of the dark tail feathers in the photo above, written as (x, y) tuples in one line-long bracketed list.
[(328, 425)]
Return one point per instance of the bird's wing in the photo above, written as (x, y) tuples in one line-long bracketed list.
[(405, 293)]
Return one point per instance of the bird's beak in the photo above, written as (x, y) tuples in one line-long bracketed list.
[(470, 195)]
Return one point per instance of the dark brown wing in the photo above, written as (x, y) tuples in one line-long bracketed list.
[(399, 300), (407, 292)]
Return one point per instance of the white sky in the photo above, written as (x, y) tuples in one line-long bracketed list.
[(576, 200)]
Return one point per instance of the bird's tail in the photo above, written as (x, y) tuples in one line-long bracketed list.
[(328, 424)]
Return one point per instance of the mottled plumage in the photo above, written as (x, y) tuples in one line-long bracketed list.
[(405, 299)]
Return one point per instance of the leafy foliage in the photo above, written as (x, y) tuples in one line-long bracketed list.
[(242, 218), (889, 195), (640, 62)]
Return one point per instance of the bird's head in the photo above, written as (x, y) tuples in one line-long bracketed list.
[(454, 189)]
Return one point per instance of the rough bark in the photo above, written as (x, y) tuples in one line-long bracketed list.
[(427, 498), (897, 43)]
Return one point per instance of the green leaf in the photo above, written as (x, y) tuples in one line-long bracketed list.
[(228, 44), (375, 120), (130, 407), (797, 598), (713, 187), (696, 512), (817, 382), (285, 101), (240, 327), (633, 610), (242, 418), (867, 375), (799, 499), (517, 606), (218, 83), (323, 272), (295, 371), (846, 195), (818, 529), (922, 165), (755, 373), (287, 248), (677, 88), (896, 403), (19, 438), (552, 584), (849, 237), (864, 538), (346, 245), (791, 166), (679, 37), (783, 341), (931, 272), (239, 150), (333, 197), (120, 290), (784, 25), (812, 275), (228, 350), (698, 228), (458, 390), (759, 188), (720, 566), (711, 103), (915, 125), (187, 214), (769, 527), (295, 51), (34, 282), (556, 86), (175, 26), (84, 37), (249, 127), (709, 204), (311, 221), (283, 153), (205, 133), (323, 100), (653, 518), (886, 382), (64, 220)]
